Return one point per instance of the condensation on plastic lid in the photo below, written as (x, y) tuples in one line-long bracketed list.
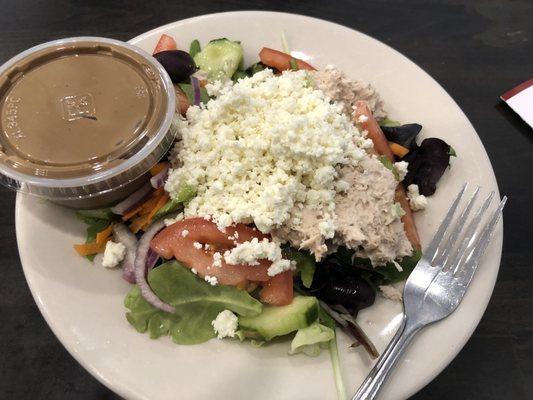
[(82, 116)]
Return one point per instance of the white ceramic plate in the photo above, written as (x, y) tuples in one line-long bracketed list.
[(83, 303)]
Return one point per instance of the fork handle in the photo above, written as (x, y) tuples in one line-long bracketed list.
[(375, 379)]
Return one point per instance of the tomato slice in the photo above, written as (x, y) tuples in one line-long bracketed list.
[(165, 43), (174, 242), (278, 291)]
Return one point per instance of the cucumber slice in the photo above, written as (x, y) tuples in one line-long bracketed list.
[(278, 321), (220, 59)]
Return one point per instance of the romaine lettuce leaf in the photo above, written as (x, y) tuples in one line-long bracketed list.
[(312, 339), (327, 321), (197, 303)]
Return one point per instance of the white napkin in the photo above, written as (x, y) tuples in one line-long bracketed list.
[(520, 99)]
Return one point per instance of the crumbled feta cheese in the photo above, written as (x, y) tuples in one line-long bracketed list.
[(264, 144), (251, 252), (170, 221), (279, 266), (184, 233), (114, 253), (398, 266), (401, 167), (217, 259), (390, 292), (218, 87), (417, 201), (194, 271), (366, 143), (212, 280), (327, 228), (225, 324), (207, 246), (362, 118), (197, 245), (341, 186)]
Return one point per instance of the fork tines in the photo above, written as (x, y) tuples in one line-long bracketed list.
[(474, 236)]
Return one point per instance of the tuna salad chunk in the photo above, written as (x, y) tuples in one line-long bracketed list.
[(341, 89), (367, 218)]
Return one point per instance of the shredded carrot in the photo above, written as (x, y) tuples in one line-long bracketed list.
[(152, 201), (148, 205), (87, 249), (146, 211), (159, 167), (282, 61), (398, 149), (145, 207), (132, 213), (381, 145), (103, 236), (138, 223), (160, 203)]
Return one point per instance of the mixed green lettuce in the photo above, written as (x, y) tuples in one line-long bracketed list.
[(185, 194), (97, 220), (382, 275), (305, 264), (312, 339), (197, 304), (189, 92)]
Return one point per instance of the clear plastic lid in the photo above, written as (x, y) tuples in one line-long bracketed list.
[(82, 116)]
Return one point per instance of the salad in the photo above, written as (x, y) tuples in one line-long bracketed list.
[(284, 207)]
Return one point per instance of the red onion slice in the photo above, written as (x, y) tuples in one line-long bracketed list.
[(122, 234), (141, 267), (151, 260), (159, 179), (200, 75), (196, 90), (132, 200)]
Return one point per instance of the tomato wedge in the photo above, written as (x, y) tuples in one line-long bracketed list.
[(165, 43), (279, 290), (281, 61), (178, 241), (174, 242)]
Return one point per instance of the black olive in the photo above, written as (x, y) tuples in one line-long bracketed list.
[(404, 135), (354, 293), (179, 64), (427, 164), (338, 284)]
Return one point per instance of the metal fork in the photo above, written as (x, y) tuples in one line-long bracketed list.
[(439, 281)]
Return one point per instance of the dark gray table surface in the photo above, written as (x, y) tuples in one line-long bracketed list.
[(475, 49)]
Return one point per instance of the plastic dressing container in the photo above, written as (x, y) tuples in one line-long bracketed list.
[(82, 120)]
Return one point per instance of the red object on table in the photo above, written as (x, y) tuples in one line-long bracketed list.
[(520, 99)]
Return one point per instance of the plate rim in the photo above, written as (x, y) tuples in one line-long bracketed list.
[(127, 392)]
